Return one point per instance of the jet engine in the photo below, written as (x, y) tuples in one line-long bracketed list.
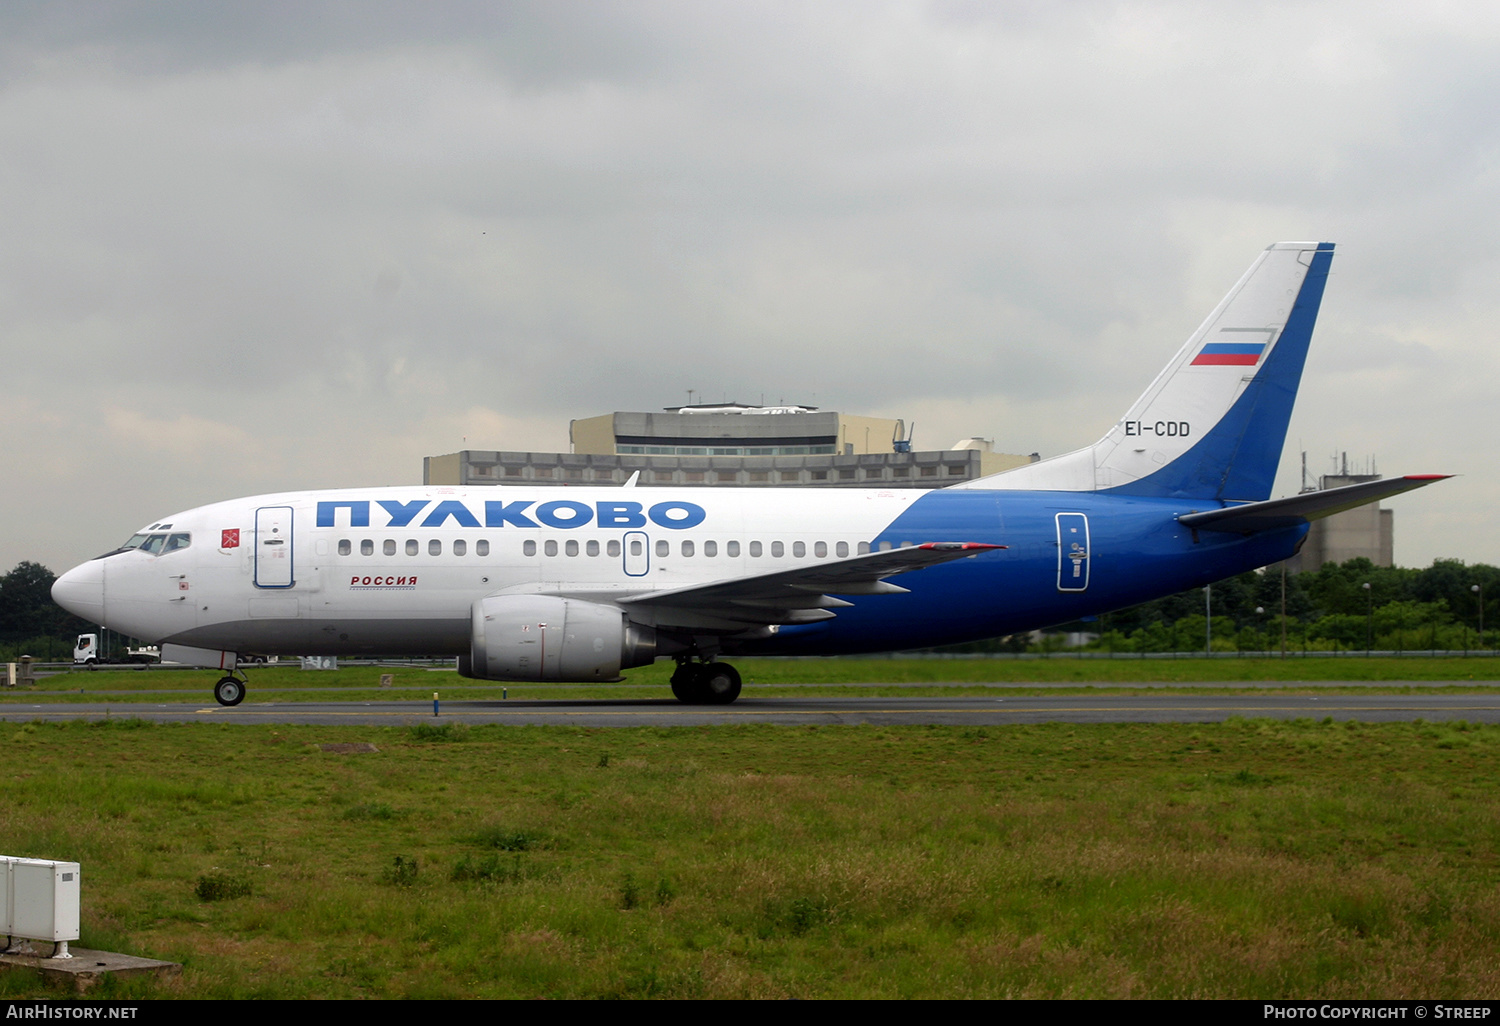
[(542, 637)]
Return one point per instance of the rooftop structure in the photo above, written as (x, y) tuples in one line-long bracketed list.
[(731, 444)]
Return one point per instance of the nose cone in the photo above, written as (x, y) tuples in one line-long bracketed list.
[(81, 591)]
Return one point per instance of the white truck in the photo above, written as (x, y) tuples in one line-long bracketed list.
[(86, 652)]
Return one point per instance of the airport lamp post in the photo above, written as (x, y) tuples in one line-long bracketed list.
[(1208, 618), (1478, 589), (1369, 616), (1283, 609)]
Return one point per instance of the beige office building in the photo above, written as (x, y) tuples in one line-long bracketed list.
[(731, 444)]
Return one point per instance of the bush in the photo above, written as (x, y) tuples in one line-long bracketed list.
[(221, 887)]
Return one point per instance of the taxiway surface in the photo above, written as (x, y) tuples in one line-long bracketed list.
[(1140, 707)]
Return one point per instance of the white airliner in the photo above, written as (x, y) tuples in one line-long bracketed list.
[(530, 584)]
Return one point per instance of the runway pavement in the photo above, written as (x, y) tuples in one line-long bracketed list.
[(1141, 707)]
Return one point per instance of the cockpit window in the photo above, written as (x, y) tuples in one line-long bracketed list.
[(154, 544), (178, 541)]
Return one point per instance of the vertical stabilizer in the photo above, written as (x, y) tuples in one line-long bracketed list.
[(1212, 424)]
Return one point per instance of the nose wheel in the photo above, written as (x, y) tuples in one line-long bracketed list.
[(229, 691)]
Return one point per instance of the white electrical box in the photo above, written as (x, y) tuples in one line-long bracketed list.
[(41, 899)]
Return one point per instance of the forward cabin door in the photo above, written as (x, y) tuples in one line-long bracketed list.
[(273, 547), (1072, 552)]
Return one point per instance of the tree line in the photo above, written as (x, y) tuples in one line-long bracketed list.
[(30, 622), (1350, 606)]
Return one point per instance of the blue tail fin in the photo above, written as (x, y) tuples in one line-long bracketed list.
[(1212, 424)]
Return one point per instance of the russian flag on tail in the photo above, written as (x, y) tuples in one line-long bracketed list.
[(1230, 354)]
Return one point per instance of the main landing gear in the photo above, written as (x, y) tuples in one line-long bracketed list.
[(705, 683), (230, 690)]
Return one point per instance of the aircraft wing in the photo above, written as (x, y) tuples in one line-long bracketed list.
[(1273, 513), (803, 595)]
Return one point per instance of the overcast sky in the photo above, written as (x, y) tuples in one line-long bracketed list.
[(266, 246)]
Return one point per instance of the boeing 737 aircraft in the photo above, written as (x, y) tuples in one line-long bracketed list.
[(532, 584)]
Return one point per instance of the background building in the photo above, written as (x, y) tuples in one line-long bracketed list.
[(731, 444), (1367, 531)]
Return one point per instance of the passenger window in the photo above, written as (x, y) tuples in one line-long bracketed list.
[(434, 548), (592, 548), (663, 548), (755, 550), (841, 549), (389, 547), (710, 548), (799, 549), (732, 549), (482, 547), (777, 550), (528, 548), (460, 547), (412, 547), (820, 549), (178, 541), (687, 548), (571, 547), (550, 548), (344, 547), (366, 547)]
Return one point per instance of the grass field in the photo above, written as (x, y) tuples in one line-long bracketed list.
[(764, 676), (1244, 859)]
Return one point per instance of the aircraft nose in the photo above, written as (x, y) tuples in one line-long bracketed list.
[(81, 591)]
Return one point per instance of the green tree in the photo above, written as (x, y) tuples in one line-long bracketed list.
[(26, 606)]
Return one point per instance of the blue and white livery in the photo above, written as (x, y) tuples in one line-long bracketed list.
[(526, 584)]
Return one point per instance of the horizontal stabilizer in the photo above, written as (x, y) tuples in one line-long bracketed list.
[(1298, 509)]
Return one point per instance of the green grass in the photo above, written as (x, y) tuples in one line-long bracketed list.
[(1249, 859), (765, 678)]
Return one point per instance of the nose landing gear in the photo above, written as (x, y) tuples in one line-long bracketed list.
[(230, 690), (712, 683)]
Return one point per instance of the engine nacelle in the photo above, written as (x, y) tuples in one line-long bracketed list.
[(541, 637)]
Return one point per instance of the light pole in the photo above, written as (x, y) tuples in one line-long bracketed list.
[(1369, 617), (1283, 609), (1208, 618)]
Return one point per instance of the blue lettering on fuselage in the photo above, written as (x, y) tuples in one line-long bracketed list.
[(450, 508), (359, 513), (674, 515), (564, 513), (621, 514), (402, 512)]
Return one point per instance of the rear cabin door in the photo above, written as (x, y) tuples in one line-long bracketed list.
[(1072, 552), (273, 547)]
